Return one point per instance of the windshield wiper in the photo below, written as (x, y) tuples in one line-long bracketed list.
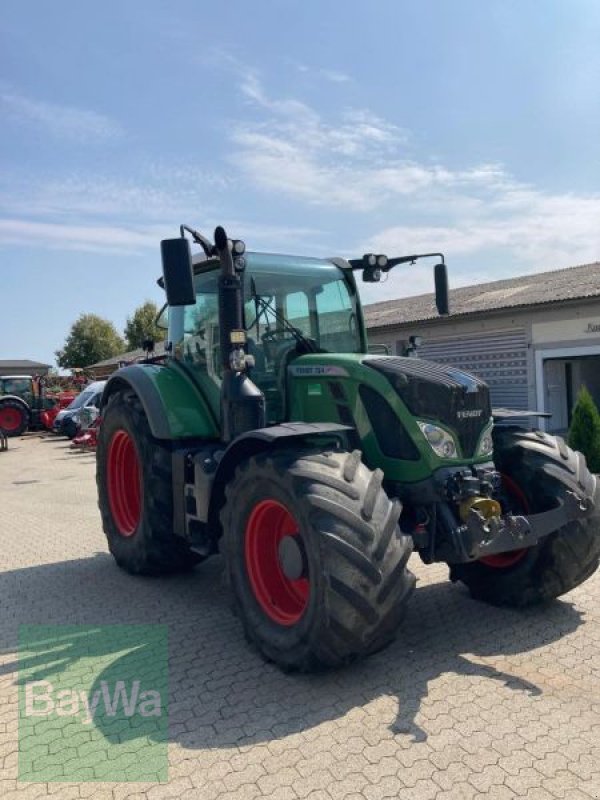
[(266, 305)]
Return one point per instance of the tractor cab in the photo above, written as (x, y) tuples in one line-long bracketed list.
[(293, 306)]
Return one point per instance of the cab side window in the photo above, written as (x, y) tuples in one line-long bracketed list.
[(201, 336)]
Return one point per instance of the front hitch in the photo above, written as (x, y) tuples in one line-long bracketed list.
[(480, 536)]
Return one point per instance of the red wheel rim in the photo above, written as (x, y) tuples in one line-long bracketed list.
[(124, 483), (512, 557), (282, 599), (10, 419)]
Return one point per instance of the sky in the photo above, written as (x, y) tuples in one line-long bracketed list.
[(317, 128)]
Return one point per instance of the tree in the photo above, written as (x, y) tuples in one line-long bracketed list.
[(584, 433), (90, 339), (142, 326)]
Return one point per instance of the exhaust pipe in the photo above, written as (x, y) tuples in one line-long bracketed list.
[(242, 402)]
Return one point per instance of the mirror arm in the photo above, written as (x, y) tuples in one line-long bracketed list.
[(358, 263), (209, 249), (394, 262)]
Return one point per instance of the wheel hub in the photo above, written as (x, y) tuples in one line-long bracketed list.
[(291, 557)]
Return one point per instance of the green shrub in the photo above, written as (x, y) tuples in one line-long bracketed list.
[(584, 433)]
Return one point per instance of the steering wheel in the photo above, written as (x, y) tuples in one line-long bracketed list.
[(277, 335), (274, 345)]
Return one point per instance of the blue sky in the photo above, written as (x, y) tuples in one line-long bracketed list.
[(306, 127)]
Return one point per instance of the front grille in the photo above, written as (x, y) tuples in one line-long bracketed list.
[(439, 392)]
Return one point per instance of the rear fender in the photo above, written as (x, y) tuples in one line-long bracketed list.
[(174, 406), (17, 399), (14, 397)]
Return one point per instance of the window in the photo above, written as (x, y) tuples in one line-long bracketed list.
[(337, 319), (201, 333), (17, 385)]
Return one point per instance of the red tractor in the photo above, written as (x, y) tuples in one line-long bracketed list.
[(26, 405)]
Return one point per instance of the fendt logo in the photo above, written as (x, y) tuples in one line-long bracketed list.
[(476, 412)]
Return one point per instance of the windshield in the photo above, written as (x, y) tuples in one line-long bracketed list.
[(311, 295), (81, 399)]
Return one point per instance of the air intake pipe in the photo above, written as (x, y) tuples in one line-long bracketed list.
[(242, 402)]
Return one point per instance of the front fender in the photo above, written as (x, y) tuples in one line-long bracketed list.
[(174, 406)]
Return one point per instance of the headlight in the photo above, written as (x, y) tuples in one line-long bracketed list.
[(441, 442), (486, 443)]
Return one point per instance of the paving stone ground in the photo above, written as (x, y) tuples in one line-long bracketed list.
[(470, 702)]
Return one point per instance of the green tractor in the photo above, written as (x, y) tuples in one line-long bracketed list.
[(270, 434)]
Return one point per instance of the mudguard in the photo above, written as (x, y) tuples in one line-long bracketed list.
[(17, 398), (174, 405), (214, 467)]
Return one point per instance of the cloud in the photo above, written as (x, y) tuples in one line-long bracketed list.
[(333, 75), (358, 163), (150, 196), (130, 238), (532, 226), (355, 162), (62, 122), (86, 238)]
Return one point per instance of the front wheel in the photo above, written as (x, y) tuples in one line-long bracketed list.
[(135, 493), (315, 557), (14, 417), (538, 469)]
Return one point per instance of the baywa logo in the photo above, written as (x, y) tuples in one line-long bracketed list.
[(41, 700), (93, 703)]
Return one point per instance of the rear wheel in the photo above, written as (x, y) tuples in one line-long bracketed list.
[(538, 470), (14, 417), (134, 478), (315, 558)]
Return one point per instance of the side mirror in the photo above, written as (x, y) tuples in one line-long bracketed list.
[(177, 272), (442, 302)]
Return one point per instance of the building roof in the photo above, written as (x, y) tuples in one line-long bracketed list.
[(573, 283), (17, 364), (110, 364)]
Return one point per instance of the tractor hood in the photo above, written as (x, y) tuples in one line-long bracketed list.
[(389, 401), (438, 392)]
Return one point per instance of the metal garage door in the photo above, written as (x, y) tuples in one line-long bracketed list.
[(499, 358)]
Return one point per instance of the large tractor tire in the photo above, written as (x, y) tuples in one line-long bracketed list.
[(315, 557), (14, 416), (135, 494), (538, 470)]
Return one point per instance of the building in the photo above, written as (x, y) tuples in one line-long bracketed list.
[(102, 369), (23, 367), (535, 339)]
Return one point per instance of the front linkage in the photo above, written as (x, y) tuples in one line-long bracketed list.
[(486, 531)]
